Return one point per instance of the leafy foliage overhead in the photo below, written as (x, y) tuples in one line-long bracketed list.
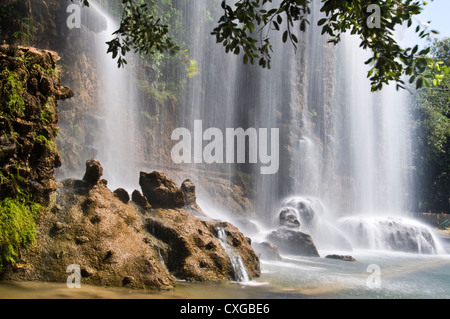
[(246, 25)]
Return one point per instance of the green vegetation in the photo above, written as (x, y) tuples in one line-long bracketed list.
[(45, 142), (12, 86), (17, 227), (25, 35), (13, 25), (431, 111), (246, 28), (160, 94), (47, 111)]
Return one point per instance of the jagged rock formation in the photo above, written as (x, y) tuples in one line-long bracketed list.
[(29, 90), (118, 244)]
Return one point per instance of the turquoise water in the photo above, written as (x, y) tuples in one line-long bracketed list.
[(400, 276)]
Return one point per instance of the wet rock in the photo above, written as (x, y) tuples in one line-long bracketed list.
[(122, 195), (193, 251), (341, 257), (63, 93), (307, 209), (267, 251), (289, 218), (161, 191), (94, 171), (294, 242)]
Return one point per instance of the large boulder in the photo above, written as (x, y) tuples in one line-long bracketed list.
[(293, 242), (161, 191), (192, 250)]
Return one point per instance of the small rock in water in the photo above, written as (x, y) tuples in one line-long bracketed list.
[(341, 257)]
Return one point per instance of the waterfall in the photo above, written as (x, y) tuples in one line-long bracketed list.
[(340, 145), (390, 233), (117, 106), (239, 271)]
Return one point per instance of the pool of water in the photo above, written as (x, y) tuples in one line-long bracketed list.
[(374, 274)]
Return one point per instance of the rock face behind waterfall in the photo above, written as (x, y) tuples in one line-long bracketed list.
[(125, 244)]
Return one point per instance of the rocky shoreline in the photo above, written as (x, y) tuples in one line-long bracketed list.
[(130, 244)]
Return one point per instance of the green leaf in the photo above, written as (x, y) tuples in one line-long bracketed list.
[(285, 36), (322, 21)]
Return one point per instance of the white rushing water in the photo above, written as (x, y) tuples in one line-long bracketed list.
[(239, 271), (117, 106)]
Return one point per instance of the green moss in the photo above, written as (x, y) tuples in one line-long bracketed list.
[(13, 87), (47, 113), (42, 140), (17, 227)]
